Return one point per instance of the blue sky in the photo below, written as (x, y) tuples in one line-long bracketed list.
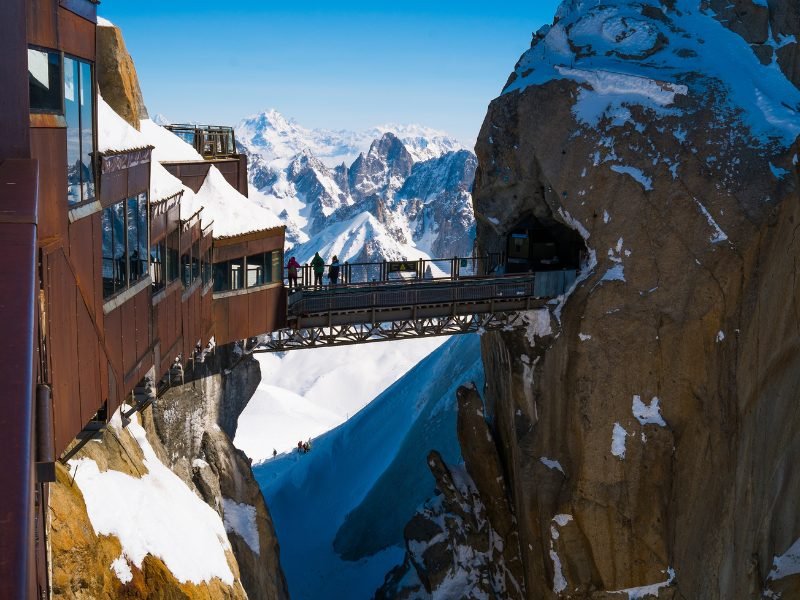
[(337, 65)]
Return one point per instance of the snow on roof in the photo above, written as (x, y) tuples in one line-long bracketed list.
[(101, 22), (231, 212), (113, 132), (163, 184), (162, 516), (169, 147)]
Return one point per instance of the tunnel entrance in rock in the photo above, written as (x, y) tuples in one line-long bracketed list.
[(535, 245)]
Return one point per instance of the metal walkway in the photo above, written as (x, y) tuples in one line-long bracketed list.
[(371, 312)]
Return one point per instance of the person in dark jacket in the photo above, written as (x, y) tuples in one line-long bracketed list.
[(319, 268), (291, 269), (333, 271)]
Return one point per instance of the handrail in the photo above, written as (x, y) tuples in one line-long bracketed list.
[(429, 269)]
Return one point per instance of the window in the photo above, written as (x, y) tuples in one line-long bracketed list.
[(196, 261), (229, 275), (173, 250), (125, 245), (158, 265), (207, 267), (78, 112), (186, 268), (44, 81), (256, 269)]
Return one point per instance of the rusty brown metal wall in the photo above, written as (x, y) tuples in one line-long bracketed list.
[(240, 316), (193, 173), (249, 244), (18, 257)]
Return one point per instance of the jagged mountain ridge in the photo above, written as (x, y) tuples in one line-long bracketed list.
[(407, 194)]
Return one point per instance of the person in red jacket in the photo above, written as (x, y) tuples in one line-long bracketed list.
[(291, 268)]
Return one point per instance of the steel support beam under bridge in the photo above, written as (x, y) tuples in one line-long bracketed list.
[(361, 333)]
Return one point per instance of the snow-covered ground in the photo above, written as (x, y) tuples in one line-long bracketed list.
[(305, 393), (354, 492)]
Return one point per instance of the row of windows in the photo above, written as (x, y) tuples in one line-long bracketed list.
[(258, 269), (127, 259), (125, 244), (63, 85)]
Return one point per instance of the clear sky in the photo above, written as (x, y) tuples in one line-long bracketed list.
[(337, 65)]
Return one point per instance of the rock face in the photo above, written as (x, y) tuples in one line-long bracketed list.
[(196, 423), (116, 76), (458, 546), (189, 429), (647, 422)]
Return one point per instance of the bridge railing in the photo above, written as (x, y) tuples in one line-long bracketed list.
[(404, 270), (416, 295)]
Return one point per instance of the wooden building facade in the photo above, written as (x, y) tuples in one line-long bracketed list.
[(103, 288)]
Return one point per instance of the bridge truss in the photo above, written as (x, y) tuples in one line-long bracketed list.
[(360, 333)]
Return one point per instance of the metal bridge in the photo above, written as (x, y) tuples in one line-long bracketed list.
[(413, 302)]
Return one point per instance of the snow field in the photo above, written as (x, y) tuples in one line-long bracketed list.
[(361, 483)]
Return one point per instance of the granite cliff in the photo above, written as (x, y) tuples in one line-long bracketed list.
[(646, 422)]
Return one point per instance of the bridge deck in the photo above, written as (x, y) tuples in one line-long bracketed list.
[(359, 313)]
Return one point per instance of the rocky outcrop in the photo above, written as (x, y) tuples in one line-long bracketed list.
[(196, 423), (189, 429), (117, 78), (83, 561), (646, 422), (464, 542)]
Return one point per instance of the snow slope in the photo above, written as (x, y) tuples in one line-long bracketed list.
[(308, 392), (373, 468)]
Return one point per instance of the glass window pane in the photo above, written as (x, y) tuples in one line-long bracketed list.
[(221, 277), (172, 255), (196, 260), (44, 80), (277, 265), (114, 261), (136, 260), (237, 274), (255, 270), (72, 116), (142, 228), (158, 266), (87, 130)]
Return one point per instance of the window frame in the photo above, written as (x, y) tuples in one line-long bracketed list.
[(60, 55), (128, 281)]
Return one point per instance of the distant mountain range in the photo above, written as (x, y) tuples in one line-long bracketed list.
[(405, 194)]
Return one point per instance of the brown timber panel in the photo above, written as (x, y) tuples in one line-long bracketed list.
[(97, 260), (43, 23), (219, 308), (138, 179), (142, 305), (76, 34), (49, 146), (242, 183), (88, 362), (257, 306), (226, 251), (158, 228), (128, 322), (207, 315), (81, 253), (63, 349), (113, 187), (113, 332)]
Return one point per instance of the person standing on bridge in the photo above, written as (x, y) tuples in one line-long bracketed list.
[(333, 271), (319, 268), (291, 269)]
